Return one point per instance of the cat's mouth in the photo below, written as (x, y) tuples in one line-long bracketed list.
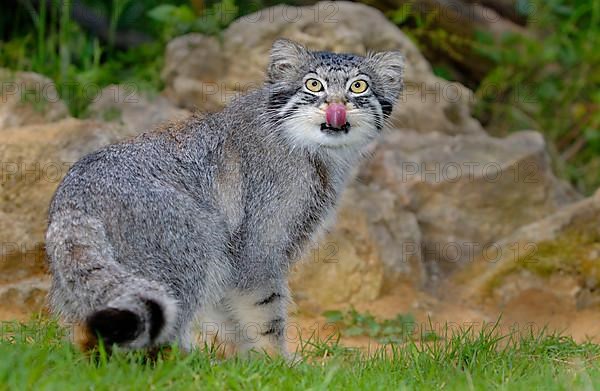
[(328, 129)]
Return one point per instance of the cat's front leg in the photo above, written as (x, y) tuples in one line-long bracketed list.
[(262, 314), (250, 319)]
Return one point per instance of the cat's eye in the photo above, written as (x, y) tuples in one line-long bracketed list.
[(359, 86), (314, 85)]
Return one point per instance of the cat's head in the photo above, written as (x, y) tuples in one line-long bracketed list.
[(324, 99)]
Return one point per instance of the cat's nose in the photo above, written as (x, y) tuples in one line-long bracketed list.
[(335, 98)]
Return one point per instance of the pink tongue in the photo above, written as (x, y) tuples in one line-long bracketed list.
[(336, 115)]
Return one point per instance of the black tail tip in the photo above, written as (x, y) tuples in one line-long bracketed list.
[(157, 318), (115, 326), (119, 326)]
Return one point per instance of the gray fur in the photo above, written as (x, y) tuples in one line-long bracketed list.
[(209, 214)]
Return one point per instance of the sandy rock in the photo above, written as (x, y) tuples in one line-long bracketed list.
[(345, 268), (465, 191), (564, 246), (136, 110), (33, 161), (427, 205), (394, 230), (193, 72), (27, 98), (26, 296), (523, 282), (200, 72)]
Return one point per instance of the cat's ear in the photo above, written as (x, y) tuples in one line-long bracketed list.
[(389, 66), (285, 59)]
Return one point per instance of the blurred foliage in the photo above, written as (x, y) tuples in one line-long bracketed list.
[(41, 36), (433, 41), (46, 40), (545, 80), (549, 82), (178, 20)]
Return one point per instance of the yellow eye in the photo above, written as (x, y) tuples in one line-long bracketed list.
[(359, 86), (314, 85)]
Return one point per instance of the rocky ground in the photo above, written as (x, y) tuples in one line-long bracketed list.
[(444, 222)]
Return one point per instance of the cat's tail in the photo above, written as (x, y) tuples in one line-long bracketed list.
[(139, 318), (99, 295)]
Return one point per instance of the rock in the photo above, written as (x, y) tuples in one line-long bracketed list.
[(193, 72), (564, 246), (394, 230), (33, 160), (465, 191), (201, 72), (27, 296), (513, 287), (345, 268), (27, 99), (136, 110), (426, 206)]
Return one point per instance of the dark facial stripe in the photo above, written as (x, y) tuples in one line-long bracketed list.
[(386, 107), (308, 97), (305, 100), (370, 104), (280, 98), (363, 100), (376, 115)]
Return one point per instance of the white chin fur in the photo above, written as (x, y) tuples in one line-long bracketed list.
[(304, 131)]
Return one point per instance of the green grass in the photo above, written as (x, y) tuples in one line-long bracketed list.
[(46, 40), (80, 65), (37, 355)]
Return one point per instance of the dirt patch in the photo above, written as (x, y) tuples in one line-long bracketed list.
[(16, 314), (531, 310), (534, 309)]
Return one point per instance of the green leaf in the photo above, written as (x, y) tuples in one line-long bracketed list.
[(374, 329), (184, 14), (162, 13), (354, 331), (402, 14), (443, 72), (333, 316)]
